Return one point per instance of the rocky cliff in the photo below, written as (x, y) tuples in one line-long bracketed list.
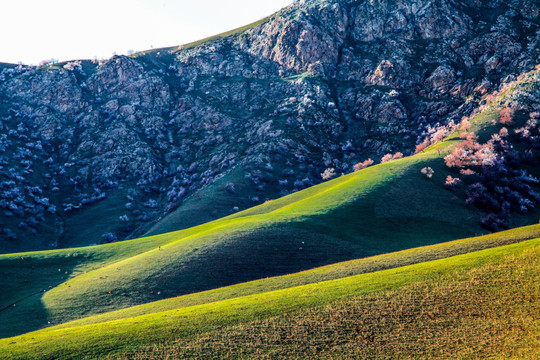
[(95, 151)]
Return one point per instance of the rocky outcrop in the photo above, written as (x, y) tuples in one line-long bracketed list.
[(315, 33), (408, 19), (321, 84), (441, 80)]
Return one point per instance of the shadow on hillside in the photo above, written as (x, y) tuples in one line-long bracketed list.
[(24, 281), (409, 212)]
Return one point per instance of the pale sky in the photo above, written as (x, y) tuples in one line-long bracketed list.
[(36, 30)]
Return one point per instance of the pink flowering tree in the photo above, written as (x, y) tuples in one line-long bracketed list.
[(363, 165)]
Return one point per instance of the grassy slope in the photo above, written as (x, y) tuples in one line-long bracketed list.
[(6, 65), (186, 324), (329, 272), (298, 232), (387, 208), (26, 275), (173, 49), (490, 311), (205, 205)]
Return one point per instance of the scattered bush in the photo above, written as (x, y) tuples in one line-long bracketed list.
[(386, 158), (507, 116), (452, 181), (109, 237), (328, 174), (496, 181), (428, 172), (362, 165), (230, 188)]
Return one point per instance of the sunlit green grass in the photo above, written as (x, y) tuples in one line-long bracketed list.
[(489, 311), (92, 341), (381, 209), (329, 272), (380, 206)]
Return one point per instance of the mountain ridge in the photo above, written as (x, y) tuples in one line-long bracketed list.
[(315, 170), (245, 118)]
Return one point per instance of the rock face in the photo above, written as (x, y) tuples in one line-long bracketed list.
[(409, 19), (101, 151)]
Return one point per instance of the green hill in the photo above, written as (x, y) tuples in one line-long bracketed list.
[(386, 208), (298, 232), (465, 292)]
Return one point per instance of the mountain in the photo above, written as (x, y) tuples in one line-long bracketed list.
[(99, 151), (388, 207), (297, 186)]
